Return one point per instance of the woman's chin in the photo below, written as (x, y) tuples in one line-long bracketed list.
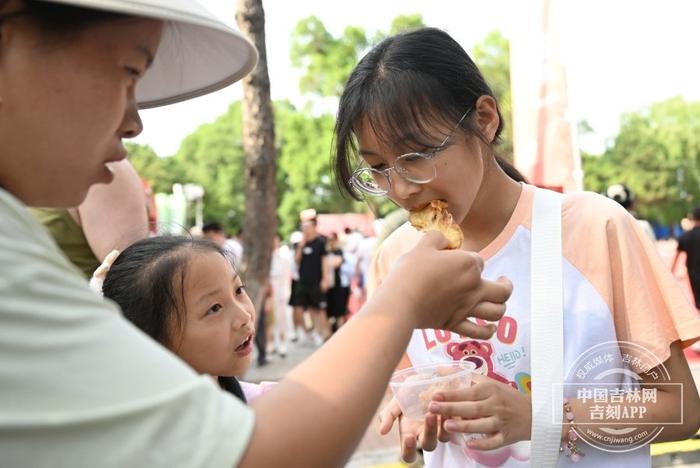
[(56, 199)]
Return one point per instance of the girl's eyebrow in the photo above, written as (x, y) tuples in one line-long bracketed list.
[(207, 295)]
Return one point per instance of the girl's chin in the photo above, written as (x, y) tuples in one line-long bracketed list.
[(242, 366)]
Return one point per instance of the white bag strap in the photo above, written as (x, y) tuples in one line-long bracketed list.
[(547, 329)]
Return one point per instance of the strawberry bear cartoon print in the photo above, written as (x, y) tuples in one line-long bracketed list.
[(479, 353)]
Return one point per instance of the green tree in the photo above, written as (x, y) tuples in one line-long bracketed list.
[(657, 155), (327, 61), (213, 157), (492, 56), (161, 173), (260, 156), (304, 176)]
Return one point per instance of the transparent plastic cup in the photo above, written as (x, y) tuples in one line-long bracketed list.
[(414, 387)]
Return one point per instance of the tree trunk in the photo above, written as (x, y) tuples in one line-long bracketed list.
[(260, 157)]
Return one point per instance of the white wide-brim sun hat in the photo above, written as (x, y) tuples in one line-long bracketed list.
[(198, 53)]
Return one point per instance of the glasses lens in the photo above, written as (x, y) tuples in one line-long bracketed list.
[(369, 181), (418, 168)]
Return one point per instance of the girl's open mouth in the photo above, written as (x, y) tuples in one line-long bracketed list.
[(246, 345)]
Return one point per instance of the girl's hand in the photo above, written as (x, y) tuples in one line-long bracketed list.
[(412, 434), (489, 407)]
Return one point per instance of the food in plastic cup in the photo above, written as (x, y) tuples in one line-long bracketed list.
[(414, 387)]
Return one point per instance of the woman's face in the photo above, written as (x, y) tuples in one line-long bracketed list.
[(66, 104), (459, 171), (218, 331)]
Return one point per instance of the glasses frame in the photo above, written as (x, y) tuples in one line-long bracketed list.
[(386, 173)]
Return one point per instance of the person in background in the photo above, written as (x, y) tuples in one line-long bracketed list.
[(112, 217), (339, 293), (301, 322), (689, 243), (313, 279), (365, 253), (213, 231), (280, 281), (625, 197)]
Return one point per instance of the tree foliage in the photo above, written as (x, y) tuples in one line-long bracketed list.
[(213, 155), (657, 154), (158, 171), (492, 56), (326, 60)]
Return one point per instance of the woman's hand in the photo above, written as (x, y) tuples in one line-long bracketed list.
[(412, 434), (497, 410), (443, 288)]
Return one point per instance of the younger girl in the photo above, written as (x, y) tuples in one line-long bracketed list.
[(417, 122), (186, 295)]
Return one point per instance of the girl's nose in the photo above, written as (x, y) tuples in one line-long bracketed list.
[(240, 318), (402, 188)]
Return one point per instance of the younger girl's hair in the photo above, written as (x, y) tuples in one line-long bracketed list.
[(143, 278), (401, 88)]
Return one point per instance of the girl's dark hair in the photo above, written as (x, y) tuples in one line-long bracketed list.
[(142, 282), (403, 85)]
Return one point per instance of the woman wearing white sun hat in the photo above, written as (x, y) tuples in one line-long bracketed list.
[(79, 386)]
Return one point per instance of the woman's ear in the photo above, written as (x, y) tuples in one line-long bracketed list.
[(487, 117)]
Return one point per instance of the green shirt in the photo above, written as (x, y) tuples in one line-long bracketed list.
[(69, 236)]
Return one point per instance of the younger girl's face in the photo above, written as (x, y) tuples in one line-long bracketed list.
[(218, 330), (67, 103), (459, 170)]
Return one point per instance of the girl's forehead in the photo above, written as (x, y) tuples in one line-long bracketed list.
[(381, 138)]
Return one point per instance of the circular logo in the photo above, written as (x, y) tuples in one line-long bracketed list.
[(616, 384)]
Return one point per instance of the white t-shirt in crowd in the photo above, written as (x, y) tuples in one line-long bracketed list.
[(235, 248), (80, 386)]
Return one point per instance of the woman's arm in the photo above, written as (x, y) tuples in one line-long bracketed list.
[(318, 413)]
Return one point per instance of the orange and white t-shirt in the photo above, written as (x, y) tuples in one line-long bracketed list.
[(616, 287)]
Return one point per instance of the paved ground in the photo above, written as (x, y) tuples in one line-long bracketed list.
[(382, 452)]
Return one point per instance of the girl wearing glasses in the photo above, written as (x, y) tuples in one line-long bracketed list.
[(73, 76), (418, 122)]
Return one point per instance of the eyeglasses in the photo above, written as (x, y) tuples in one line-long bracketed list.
[(417, 168)]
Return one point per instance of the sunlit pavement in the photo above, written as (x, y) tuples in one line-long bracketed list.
[(382, 452)]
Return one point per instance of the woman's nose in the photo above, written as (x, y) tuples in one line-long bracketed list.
[(132, 125)]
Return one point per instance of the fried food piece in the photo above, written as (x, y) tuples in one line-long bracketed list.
[(435, 216)]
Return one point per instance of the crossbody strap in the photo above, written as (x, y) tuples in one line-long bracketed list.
[(547, 329)]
